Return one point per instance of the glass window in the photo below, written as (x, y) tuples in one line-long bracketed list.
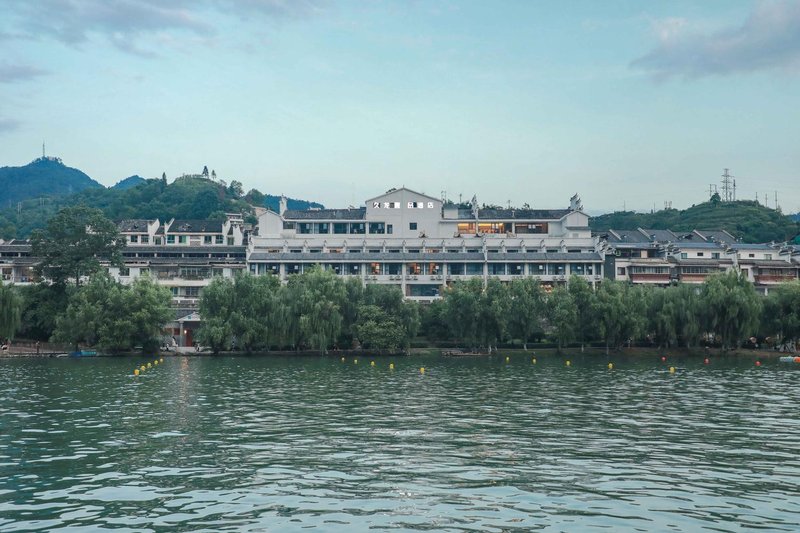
[(207, 239), (714, 255), (700, 254), (357, 228), (466, 227), (377, 227), (124, 271), (170, 239), (412, 225), (158, 241), (218, 239), (288, 225), (230, 241), (389, 229), (182, 239), (474, 269), (134, 238), (340, 228), (684, 255)]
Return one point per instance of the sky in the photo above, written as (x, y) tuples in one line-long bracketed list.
[(631, 104)]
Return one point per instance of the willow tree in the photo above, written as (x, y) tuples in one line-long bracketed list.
[(562, 314), (781, 316), (493, 305), (320, 298), (732, 308), (583, 296), (526, 309), (620, 310), (462, 310), (10, 311)]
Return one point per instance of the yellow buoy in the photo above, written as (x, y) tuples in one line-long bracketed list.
[(372, 363), (422, 370), (149, 365), (508, 359), (672, 370), (355, 361), (533, 360), (342, 359), (568, 362), (144, 368), (391, 366), (162, 359), (610, 366), (135, 371), (155, 363)]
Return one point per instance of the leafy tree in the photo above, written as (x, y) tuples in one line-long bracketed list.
[(10, 311), (319, 307), (205, 171), (781, 316), (562, 314), (115, 317), (42, 304), (526, 306), (236, 189), (620, 311), (73, 244), (583, 296), (216, 307), (493, 304), (385, 321), (732, 308), (462, 310)]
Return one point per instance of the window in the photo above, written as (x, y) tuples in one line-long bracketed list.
[(412, 225), (751, 255), (768, 257), (216, 272), (158, 241), (714, 255), (357, 228), (182, 239), (134, 238), (620, 271), (192, 292), (230, 241), (684, 255), (207, 239), (699, 254), (389, 229), (170, 239), (340, 228), (288, 225), (145, 239), (218, 239), (377, 227), (124, 271)]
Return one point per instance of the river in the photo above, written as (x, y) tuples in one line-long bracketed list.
[(471, 444)]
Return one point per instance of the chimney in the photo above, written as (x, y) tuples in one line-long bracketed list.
[(282, 208)]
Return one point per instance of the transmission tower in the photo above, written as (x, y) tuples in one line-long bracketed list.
[(727, 186)]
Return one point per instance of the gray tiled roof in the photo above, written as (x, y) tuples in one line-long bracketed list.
[(325, 214), (522, 214), (131, 225), (195, 226)]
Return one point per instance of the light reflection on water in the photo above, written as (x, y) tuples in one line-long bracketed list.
[(288, 444)]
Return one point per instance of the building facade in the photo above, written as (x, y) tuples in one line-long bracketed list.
[(421, 245)]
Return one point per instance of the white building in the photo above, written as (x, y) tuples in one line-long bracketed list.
[(420, 244)]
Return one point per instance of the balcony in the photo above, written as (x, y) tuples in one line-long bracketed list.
[(763, 279), (648, 277)]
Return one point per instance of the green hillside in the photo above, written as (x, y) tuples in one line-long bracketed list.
[(46, 177), (746, 220), (192, 197), (129, 182)]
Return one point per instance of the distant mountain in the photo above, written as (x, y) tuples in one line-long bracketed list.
[(748, 221), (273, 202), (44, 177), (129, 182)]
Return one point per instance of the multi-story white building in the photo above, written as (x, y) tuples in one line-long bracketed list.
[(421, 244)]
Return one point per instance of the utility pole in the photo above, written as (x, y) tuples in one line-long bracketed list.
[(712, 189), (777, 207), (727, 195)]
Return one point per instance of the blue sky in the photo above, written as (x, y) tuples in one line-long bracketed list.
[(629, 103)]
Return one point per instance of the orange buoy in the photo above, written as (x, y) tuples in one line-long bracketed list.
[(663, 359), (797, 359), (705, 361), (758, 363)]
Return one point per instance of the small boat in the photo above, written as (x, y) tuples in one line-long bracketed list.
[(83, 353), (789, 359)]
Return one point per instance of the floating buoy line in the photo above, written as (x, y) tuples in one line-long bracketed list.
[(147, 366)]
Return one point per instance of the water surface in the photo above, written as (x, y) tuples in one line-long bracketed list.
[(473, 444)]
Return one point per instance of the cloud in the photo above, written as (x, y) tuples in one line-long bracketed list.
[(768, 39), (8, 125), (127, 24), (14, 73)]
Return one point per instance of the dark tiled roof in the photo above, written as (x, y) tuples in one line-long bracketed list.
[(661, 235), (195, 226), (138, 224), (521, 214), (325, 214), (627, 236), (717, 235)]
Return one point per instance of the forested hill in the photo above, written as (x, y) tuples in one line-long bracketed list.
[(188, 197), (748, 221), (44, 177)]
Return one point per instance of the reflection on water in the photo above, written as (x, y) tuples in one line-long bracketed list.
[(288, 444)]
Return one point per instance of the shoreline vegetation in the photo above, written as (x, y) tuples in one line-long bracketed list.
[(82, 306)]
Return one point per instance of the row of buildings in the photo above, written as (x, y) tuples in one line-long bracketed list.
[(421, 245)]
